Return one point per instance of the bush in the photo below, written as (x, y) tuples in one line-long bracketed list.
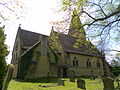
[(3, 53), (116, 70)]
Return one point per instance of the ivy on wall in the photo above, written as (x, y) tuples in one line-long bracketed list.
[(24, 63), (53, 56), (26, 60)]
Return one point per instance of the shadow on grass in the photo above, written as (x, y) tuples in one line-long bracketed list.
[(40, 80), (49, 79)]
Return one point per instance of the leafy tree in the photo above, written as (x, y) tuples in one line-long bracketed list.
[(102, 19), (7, 8), (116, 64), (3, 53), (116, 67)]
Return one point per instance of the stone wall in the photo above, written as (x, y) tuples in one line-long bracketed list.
[(42, 65), (82, 68), (53, 70), (41, 70), (16, 53), (15, 70), (16, 50), (87, 71)]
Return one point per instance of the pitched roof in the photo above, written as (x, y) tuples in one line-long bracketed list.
[(28, 38), (68, 42)]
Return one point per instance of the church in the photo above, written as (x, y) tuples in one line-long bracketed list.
[(57, 55)]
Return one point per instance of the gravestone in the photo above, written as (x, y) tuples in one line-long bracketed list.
[(108, 84), (72, 79), (117, 80), (8, 77), (92, 78), (61, 82), (99, 77), (81, 84)]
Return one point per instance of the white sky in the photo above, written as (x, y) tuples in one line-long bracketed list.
[(37, 19)]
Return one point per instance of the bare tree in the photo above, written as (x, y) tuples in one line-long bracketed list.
[(11, 7)]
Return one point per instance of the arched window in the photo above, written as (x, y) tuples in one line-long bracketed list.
[(75, 58), (88, 63), (98, 63), (75, 62)]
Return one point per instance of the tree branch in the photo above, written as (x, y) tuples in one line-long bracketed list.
[(99, 7), (114, 50), (6, 7), (104, 18), (88, 15)]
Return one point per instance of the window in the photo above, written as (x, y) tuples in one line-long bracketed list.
[(74, 57), (75, 62), (88, 63), (98, 63)]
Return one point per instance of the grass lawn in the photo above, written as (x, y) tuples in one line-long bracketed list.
[(20, 85)]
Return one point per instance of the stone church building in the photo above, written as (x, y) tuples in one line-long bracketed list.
[(36, 55)]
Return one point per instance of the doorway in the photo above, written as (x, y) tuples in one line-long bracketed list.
[(64, 72)]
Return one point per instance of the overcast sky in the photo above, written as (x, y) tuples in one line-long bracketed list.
[(37, 19)]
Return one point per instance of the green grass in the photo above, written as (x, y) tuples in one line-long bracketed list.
[(21, 85)]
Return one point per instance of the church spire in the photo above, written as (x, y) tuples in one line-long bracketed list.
[(75, 28), (52, 31)]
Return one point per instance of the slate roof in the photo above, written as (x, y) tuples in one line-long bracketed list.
[(68, 42), (29, 38)]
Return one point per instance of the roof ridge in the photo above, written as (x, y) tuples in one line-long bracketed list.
[(33, 32)]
